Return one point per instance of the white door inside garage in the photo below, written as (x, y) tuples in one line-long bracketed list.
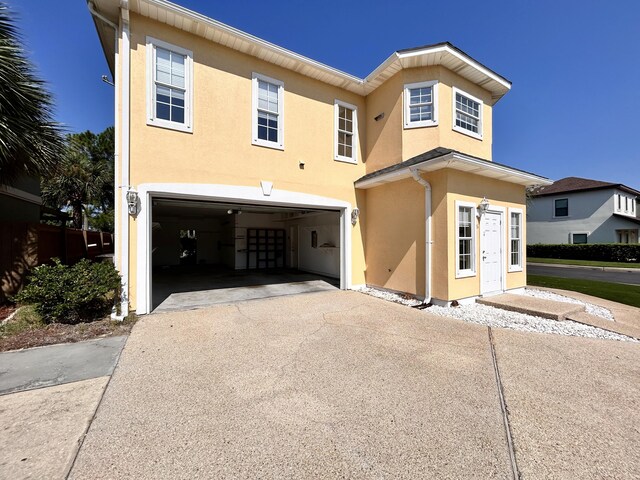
[(205, 252)]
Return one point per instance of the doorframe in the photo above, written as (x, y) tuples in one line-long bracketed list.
[(503, 233), (229, 194)]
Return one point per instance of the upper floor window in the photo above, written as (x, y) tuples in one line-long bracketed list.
[(515, 240), (346, 135), (421, 104), (467, 113), (169, 88), (268, 108), (465, 239), (561, 207)]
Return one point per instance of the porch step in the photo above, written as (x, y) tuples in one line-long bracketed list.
[(539, 307), (611, 326)]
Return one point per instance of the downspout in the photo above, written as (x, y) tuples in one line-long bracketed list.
[(121, 126), (427, 220)]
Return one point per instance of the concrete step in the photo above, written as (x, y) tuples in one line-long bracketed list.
[(539, 307), (611, 326)]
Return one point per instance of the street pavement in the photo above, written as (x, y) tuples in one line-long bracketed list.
[(586, 273)]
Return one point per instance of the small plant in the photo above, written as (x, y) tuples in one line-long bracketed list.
[(71, 294), (25, 318)]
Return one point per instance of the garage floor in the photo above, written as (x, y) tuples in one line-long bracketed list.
[(188, 287)]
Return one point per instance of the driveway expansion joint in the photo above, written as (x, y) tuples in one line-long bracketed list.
[(503, 407)]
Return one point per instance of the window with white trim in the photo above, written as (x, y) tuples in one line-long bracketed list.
[(346, 134), (421, 104), (465, 239), (561, 207), (467, 113), (169, 75), (515, 240), (268, 108)]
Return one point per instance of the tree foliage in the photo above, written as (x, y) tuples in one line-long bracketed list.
[(30, 141), (83, 180)]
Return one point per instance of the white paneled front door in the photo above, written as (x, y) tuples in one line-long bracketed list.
[(491, 269)]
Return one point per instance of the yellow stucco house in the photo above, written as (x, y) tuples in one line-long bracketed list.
[(275, 161)]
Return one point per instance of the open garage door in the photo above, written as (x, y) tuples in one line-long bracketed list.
[(206, 252)]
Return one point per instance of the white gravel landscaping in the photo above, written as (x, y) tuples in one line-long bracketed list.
[(495, 317), (589, 307)]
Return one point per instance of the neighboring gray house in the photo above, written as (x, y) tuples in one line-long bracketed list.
[(580, 210)]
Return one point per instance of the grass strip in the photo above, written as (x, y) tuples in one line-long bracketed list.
[(586, 263), (616, 292)]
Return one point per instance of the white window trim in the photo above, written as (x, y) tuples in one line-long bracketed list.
[(553, 206), (434, 95), (279, 145), (518, 267), (571, 234), (354, 149), (187, 126), (480, 113), (474, 226)]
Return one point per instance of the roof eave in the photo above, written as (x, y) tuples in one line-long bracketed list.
[(458, 161)]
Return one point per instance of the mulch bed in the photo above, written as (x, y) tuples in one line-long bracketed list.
[(6, 310), (62, 333)]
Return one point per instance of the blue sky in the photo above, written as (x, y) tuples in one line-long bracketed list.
[(574, 108)]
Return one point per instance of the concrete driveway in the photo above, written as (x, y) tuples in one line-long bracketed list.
[(339, 384)]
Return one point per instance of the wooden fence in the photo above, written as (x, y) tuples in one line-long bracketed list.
[(27, 245)]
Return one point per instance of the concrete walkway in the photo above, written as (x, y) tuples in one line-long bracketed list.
[(57, 364), (340, 384), (49, 397)]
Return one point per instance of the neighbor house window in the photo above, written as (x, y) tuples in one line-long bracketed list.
[(561, 207), (515, 240), (421, 104), (465, 241), (169, 98), (346, 135), (268, 108), (578, 238), (467, 113)]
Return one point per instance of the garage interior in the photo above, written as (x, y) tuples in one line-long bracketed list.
[(204, 253)]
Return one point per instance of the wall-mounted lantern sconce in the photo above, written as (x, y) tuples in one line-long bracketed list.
[(484, 206), (132, 202), (355, 213), (379, 117)]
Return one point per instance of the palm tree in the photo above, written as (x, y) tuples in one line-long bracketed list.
[(82, 180), (30, 141)]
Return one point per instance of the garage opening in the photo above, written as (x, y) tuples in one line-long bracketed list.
[(205, 253)]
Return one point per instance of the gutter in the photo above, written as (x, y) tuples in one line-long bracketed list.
[(427, 220)]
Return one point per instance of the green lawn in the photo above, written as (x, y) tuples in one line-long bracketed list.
[(627, 294), (588, 263)]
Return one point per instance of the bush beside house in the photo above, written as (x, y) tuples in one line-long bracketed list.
[(72, 293)]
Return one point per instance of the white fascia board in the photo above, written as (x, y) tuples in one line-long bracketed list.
[(448, 161), (197, 17)]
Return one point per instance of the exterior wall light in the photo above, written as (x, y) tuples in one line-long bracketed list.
[(355, 213), (132, 202), (484, 206)]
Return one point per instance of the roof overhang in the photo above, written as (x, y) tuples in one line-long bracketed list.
[(460, 162), (187, 20), (626, 217)]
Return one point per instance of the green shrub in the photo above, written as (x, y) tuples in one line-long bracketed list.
[(605, 252), (71, 294)]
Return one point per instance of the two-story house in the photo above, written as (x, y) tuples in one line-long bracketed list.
[(581, 210), (236, 154)]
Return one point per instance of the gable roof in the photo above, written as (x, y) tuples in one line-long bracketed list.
[(439, 158), (577, 184), (163, 11)]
